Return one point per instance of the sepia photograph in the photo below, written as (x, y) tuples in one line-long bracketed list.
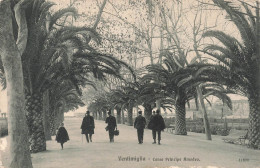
[(129, 84)]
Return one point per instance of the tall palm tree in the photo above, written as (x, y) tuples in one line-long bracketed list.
[(53, 53), (172, 81), (238, 66), (164, 75), (46, 53), (63, 98)]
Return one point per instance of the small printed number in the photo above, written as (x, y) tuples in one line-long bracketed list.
[(243, 160)]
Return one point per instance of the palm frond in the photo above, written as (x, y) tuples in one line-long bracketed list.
[(61, 13)]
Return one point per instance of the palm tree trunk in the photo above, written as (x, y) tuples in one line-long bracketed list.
[(61, 117), (100, 115), (95, 115), (130, 114), (112, 111), (123, 115), (254, 98), (46, 116), (147, 111), (11, 58), (52, 122), (180, 121), (158, 104), (57, 120), (35, 122), (104, 116), (254, 122), (118, 113)]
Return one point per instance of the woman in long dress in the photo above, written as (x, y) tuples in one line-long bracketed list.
[(62, 135)]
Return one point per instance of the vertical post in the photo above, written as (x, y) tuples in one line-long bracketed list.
[(233, 123), (204, 112), (123, 115), (258, 47)]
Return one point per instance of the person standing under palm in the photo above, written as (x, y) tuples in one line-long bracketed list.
[(88, 126), (111, 125), (139, 124), (158, 126)]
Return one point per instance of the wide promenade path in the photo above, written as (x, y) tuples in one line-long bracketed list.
[(176, 151)]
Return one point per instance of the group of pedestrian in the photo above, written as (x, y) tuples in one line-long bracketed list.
[(156, 124), (88, 126)]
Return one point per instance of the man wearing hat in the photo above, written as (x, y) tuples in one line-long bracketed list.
[(88, 126), (159, 125), (111, 125), (139, 124)]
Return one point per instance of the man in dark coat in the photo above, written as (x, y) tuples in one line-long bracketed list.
[(158, 126), (139, 124), (88, 126), (150, 124), (111, 125)]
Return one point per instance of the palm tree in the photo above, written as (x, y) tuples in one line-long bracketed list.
[(238, 67), (131, 95), (46, 52), (149, 94), (116, 103), (63, 98), (164, 76), (100, 105), (173, 84), (122, 98), (54, 53)]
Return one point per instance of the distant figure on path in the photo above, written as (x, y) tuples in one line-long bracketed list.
[(139, 124), (111, 125), (62, 135), (88, 126), (157, 126)]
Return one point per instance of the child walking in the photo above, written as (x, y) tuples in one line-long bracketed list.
[(62, 135)]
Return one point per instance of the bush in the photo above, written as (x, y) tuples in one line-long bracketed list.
[(214, 130), (3, 127), (223, 132), (199, 129), (3, 131)]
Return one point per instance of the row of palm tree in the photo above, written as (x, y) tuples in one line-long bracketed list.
[(57, 55), (235, 70), (165, 82)]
